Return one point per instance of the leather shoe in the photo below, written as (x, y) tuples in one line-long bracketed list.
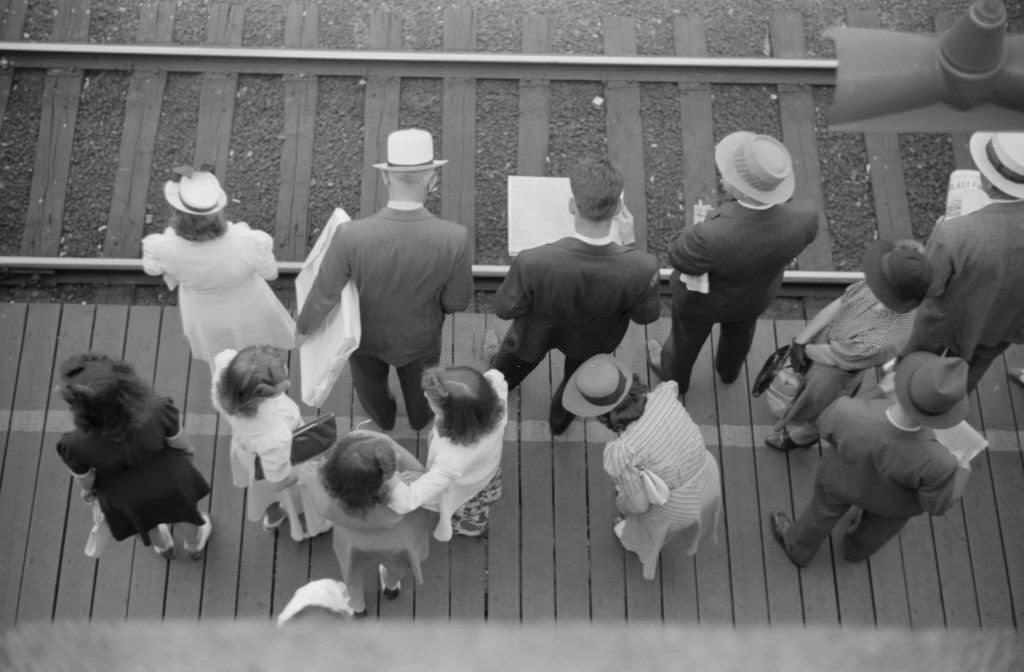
[(780, 441), (559, 420)]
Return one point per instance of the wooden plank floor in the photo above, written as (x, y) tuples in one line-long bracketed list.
[(551, 553)]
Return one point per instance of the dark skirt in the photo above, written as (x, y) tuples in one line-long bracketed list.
[(823, 384), (163, 490)]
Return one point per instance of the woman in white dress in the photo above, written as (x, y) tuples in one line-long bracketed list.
[(222, 269), (249, 390)]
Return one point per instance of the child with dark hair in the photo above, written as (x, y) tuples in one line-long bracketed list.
[(249, 389), (129, 454), (463, 475), (353, 493)]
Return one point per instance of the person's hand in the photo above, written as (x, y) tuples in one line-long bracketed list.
[(798, 357), (627, 227)]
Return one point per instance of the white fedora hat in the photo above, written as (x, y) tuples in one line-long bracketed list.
[(758, 166), (410, 149), (1000, 158), (198, 192)]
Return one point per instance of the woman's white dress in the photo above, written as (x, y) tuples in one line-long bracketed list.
[(224, 297), (268, 434)]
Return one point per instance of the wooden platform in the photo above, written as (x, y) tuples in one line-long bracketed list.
[(551, 553)]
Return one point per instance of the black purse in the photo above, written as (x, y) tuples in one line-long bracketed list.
[(308, 441), (772, 366)]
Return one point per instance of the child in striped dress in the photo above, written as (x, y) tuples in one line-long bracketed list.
[(667, 481)]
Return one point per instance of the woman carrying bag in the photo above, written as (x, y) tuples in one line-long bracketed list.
[(130, 458), (865, 327), (249, 389)]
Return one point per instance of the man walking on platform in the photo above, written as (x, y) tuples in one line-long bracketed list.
[(741, 251), (576, 294), (882, 456), (975, 307), (410, 268)]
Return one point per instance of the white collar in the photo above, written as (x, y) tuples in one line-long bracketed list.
[(404, 205), (603, 240), (892, 421)]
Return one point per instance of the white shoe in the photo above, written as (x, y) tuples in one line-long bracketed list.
[(389, 593), (205, 531), (164, 546)]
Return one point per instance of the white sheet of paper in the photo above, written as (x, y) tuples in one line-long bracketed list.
[(963, 441), (696, 283), (538, 212)]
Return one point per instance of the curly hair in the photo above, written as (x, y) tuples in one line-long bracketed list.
[(106, 396), (356, 468), (199, 228), (629, 409), (596, 187), (254, 375), (470, 408)]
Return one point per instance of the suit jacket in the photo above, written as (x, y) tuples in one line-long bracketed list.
[(410, 268), (977, 292), (744, 252), (576, 297), (882, 469)]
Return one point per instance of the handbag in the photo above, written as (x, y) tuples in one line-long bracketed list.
[(308, 441), (783, 390), (775, 362)]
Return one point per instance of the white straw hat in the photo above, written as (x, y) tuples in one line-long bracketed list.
[(758, 166), (410, 149), (198, 192), (324, 593), (1000, 158)]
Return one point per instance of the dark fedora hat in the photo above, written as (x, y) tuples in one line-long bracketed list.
[(932, 389), (899, 277)]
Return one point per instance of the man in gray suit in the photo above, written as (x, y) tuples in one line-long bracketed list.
[(883, 458), (975, 307), (411, 269)]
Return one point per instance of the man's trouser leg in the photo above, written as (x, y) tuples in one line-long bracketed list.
[(733, 346), (814, 525), (512, 367), (410, 379), (370, 379), (688, 336), (870, 534)]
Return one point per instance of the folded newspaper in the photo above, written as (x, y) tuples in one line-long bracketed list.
[(965, 193), (963, 441), (326, 351)]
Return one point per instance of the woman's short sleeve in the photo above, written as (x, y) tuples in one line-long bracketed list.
[(68, 452), (259, 252), (152, 263)]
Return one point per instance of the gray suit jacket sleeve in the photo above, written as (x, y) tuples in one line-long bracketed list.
[(458, 290), (688, 253)]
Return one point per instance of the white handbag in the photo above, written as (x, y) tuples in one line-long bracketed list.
[(324, 354)]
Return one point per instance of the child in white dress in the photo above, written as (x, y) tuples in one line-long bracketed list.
[(249, 390), (463, 476), (221, 269)]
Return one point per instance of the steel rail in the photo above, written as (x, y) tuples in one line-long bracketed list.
[(90, 270), (475, 65)]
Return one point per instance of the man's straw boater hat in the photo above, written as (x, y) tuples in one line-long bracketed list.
[(197, 192), (410, 149), (1000, 158), (758, 166)]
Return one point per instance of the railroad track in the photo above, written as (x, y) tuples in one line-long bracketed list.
[(52, 252)]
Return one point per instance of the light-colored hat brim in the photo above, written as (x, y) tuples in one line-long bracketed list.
[(573, 400), (437, 163), (724, 152), (906, 368), (977, 146), (172, 193)]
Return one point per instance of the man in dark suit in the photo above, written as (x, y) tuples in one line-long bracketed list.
[(743, 247), (882, 457), (975, 307), (411, 269), (579, 293)]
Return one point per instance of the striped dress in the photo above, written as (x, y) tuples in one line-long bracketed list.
[(667, 442)]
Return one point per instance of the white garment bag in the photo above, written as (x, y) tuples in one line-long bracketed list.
[(326, 351)]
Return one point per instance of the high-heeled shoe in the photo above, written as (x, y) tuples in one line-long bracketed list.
[(196, 552), (165, 549)]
